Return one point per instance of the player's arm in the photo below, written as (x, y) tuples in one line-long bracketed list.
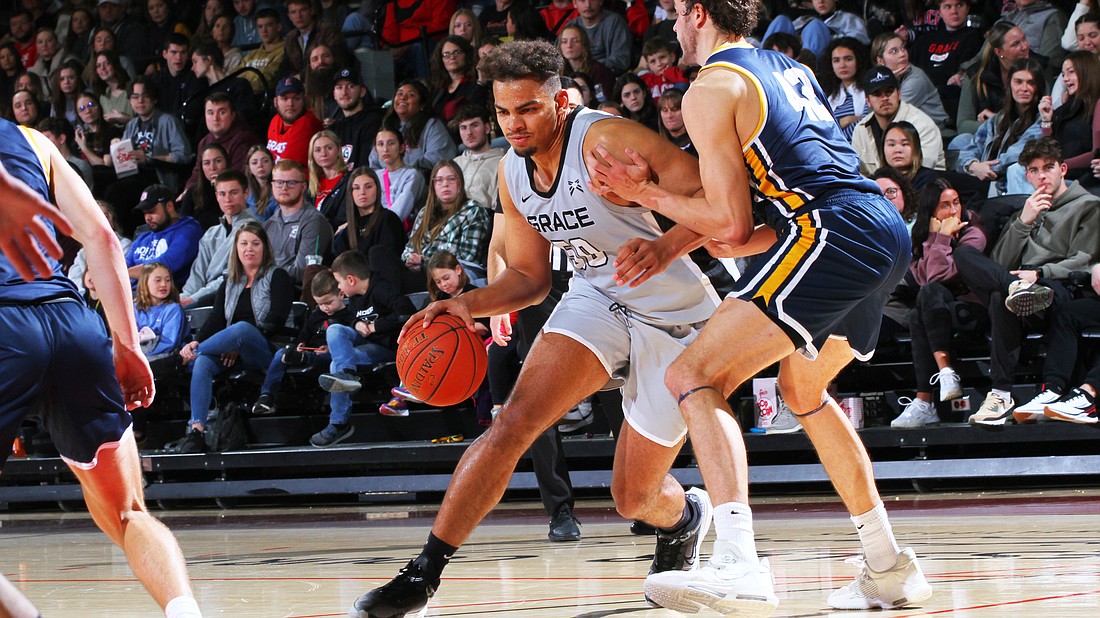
[(105, 262), (524, 281), (500, 326)]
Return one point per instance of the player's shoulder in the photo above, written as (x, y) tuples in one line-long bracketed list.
[(717, 89)]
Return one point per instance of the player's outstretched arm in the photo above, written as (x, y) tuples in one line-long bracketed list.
[(90, 229), (20, 228)]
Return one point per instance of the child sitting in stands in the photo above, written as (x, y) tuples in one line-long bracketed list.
[(309, 347), (161, 325)]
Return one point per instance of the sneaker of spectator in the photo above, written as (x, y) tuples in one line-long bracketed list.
[(917, 413), (994, 411), (1026, 298), (264, 405), (577, 418), (401, 392), (1076, 406), (331, 435), (950, 385), (784, 421), (193, 442), (394, 407), (340, 382), (1033, 411)]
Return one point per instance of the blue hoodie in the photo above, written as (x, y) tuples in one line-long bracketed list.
[(176, 246), (168, 322)]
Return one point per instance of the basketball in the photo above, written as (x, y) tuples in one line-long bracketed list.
[(443, 364)]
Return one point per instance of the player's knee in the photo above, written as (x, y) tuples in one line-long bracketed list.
[(682, 376), (797, 397)]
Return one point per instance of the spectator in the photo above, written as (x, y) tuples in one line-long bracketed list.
[(254, 301), (155, 135), (888, 49), (111, 84), (268, 57), (1043, 25), (260, 201), (378, 313), (162, 22), (60, 132), (479, 160), (943, 50), (78, 40), (1074, 35), (525, 24), (901, 150), (1088, 27), (427, 141), (494, 18), (369, 224), (327, 176), (129, 35), (672, 125), (226, 128), (310, 347), (994, 150), (66, 87), (172, 240), (824, 25), (177, 83), (222, 36), (664, 19), (198, 201), (454, 78), (984, 92), (80, 264), (308, 29), (464, 23), (942, 225), (633, 94), (212, 262), (785, 43), (1075, 124), (317, 78), (1056, 232), (11, 67), (1057, 399), (450, 221), (21, 32), (608, 34), (663, 73), (104, 39), (299, 235), (50, 53), (26, 109), (838, 72), (558, 13), (886, 107), (403, 187), (245, 33), (292, 127), (899, 191), (161, 324), (211, 9), (206, 65), (93, 134), (358, 119), (574, 47), (33, 84)]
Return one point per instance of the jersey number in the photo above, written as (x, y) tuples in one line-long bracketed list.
[(800, 93), (581, 253)]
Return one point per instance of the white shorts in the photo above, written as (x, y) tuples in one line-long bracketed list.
[(635, 355)]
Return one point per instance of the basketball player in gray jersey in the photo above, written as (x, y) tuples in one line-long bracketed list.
[(620, 323)]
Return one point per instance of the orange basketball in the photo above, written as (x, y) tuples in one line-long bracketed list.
[(443, 364)]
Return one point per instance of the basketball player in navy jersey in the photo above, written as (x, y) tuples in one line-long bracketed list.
[(831, 250), (47, 336), (600, 334)]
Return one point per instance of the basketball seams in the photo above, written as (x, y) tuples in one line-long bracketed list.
[(411, 361)]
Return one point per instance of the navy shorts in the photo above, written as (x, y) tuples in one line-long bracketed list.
[(831, 271), (56, 365)]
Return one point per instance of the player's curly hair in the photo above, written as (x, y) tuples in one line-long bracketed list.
[(517, 60), (736, 17)]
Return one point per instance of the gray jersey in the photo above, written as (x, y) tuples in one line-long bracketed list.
[(591, 230)]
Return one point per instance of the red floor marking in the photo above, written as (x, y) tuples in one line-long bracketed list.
[(1003, 603)]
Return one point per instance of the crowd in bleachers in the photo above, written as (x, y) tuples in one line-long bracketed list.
[(244, 149)]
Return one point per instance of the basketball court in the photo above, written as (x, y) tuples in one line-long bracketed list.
[(1033, 553)]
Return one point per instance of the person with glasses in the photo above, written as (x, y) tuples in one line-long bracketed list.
[(454, 78), (299, 236), (93, 134)]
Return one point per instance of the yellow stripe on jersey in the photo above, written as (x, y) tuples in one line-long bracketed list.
[(807, 239), (43, 158), (752, 80), (760, 172)]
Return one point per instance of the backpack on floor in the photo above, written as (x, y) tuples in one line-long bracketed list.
[(227, 430)]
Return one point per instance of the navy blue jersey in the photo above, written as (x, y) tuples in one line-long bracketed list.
[(23, 159), (797, 153)]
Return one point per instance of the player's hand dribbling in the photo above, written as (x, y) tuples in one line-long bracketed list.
[(20, 228), (613, 177), (638, 260), (421, 319), (134, 376)]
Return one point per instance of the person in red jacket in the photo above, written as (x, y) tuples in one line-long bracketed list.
[(293, 126)]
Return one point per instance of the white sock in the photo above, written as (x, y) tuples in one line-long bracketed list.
[(1006, 395), (182, 607), (733, 523), (879, 547)]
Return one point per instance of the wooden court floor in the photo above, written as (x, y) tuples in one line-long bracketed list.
[(1034, 554)]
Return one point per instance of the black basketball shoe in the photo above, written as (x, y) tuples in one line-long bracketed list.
[(408, 593), (679, 551)]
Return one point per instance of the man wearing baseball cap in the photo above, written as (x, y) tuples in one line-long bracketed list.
[(171, 239), (884, 99), (293, 126), (357, 120)]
